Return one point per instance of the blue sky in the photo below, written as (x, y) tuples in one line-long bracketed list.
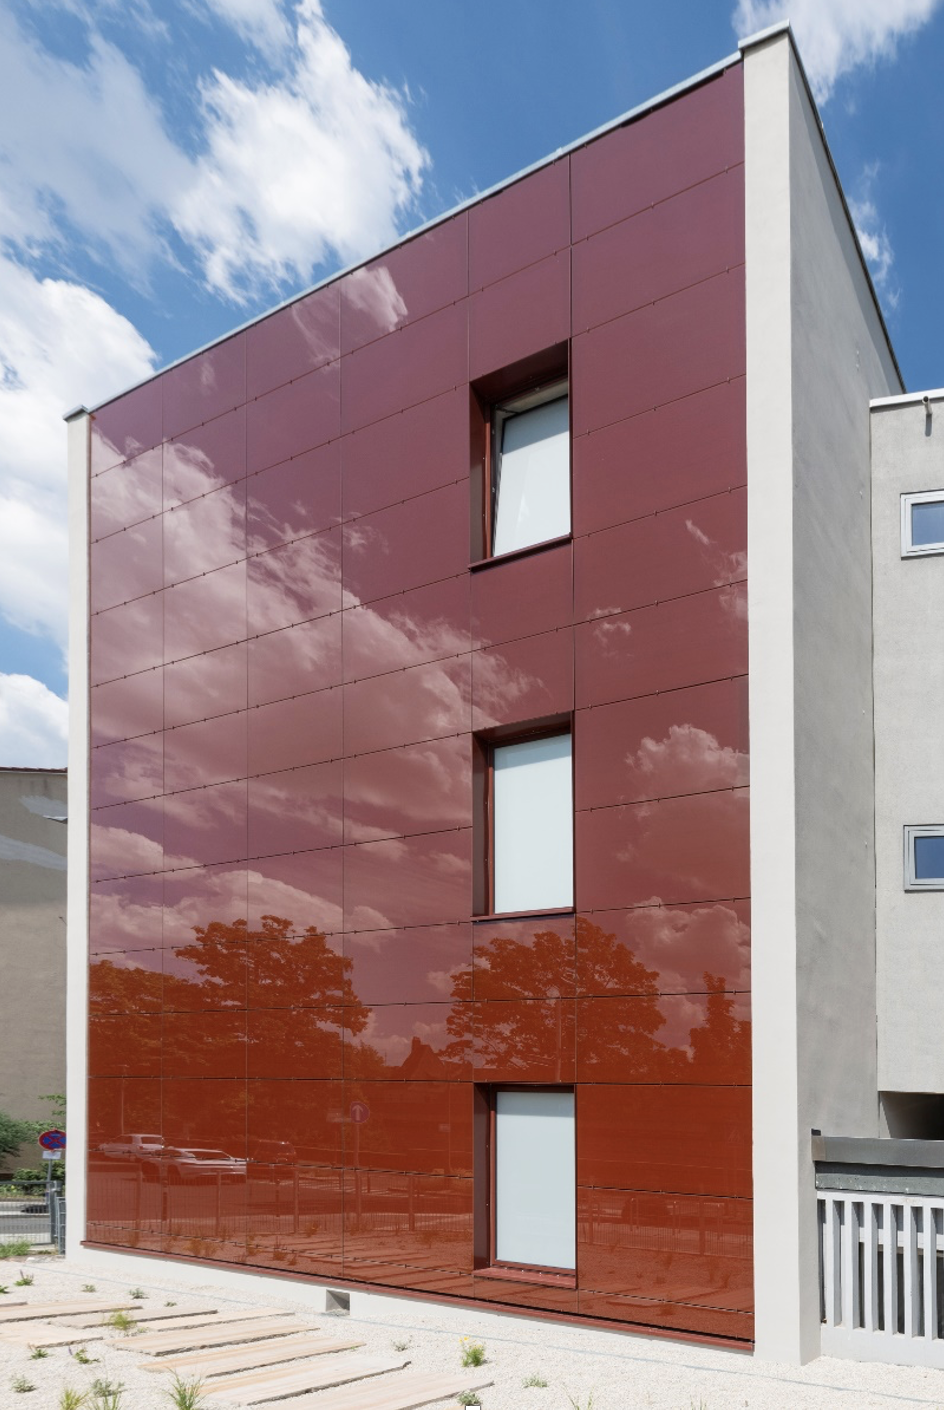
[(170, 168)]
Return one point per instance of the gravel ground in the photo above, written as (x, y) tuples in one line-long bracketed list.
[(620, 1372)]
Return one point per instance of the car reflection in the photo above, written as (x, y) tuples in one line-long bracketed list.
[(180, 1166), (134, 1146)]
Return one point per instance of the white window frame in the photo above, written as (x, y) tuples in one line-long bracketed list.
[(506, 410), (912, 882), (921, 550)]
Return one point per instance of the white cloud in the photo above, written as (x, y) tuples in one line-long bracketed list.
[(317, 164), (260, 21), (59, 344), (84, 144), (34, 724), (836, 36), (873, 238)]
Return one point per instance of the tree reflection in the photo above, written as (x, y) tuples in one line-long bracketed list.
[(527, 1038)]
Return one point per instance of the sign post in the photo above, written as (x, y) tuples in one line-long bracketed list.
[(53, 1143), (358, 1114)]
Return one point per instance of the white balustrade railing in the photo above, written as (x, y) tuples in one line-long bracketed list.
[(882, 1277)]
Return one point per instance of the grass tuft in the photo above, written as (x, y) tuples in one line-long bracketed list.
[(121, 1321), (106, 1395), (15, 1248), (38, 1353), (22, 1385), (185, 1395), (71, 1399), (81, 1355), (25, 1280), (137, 1294), (89, 1287), (533, 1380), (472, 1352)]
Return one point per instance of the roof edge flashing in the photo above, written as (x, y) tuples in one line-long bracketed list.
[(641, 109), (907, 399), (763, 35)]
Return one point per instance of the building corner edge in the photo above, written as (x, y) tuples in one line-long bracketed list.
[(78, 431)]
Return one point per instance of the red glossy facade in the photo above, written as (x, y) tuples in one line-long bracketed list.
[(291, 658)]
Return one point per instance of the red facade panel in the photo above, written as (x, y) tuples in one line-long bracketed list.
[(298, 678)]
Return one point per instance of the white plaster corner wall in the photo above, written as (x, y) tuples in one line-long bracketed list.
[(77, 428), (770, 638), (816, 352), (907, 457)]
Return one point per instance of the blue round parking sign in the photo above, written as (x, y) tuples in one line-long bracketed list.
[(53, 1140)]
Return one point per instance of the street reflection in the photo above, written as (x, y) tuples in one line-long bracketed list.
[(363, 1161)]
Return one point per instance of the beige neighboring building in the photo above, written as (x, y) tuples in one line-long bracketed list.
[(32, 944)]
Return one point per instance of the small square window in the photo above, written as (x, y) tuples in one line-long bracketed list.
[(532, 825), (534, 1179), (924, 858), (530, 479), (922, 523)]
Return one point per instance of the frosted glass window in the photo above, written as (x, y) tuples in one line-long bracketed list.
[(533, 484), (535, 1196), (532, 844)]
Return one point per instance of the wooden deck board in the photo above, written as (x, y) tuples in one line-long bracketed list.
[(404, 1391), (163, 1343), (45, 1310), (163, 1314), (256, 1387), (246, 1358)]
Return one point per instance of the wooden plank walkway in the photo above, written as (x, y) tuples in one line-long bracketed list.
[(37, 1334), (256, 1387), (162, 1343), (61, 1333), (28, 1310), (170, 1315), (405, 1391), (246, 1358)]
